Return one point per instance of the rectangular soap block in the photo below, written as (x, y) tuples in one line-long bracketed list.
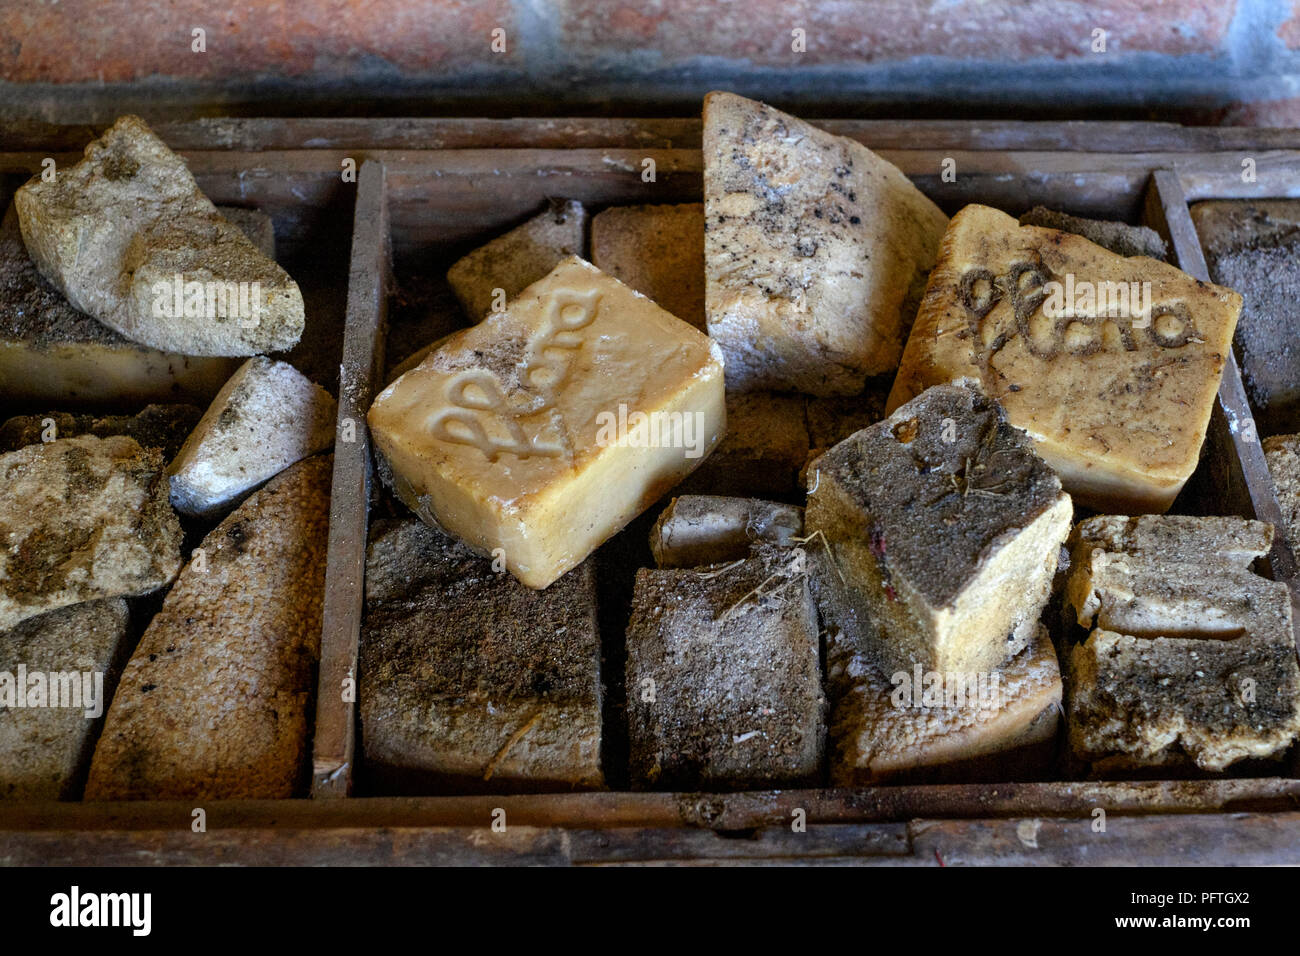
[(547, 427), (723, 676), (514, 261), (471, 682), (816, 251), (1110, 364), (1191, 657), (945, 529), (657, 250)]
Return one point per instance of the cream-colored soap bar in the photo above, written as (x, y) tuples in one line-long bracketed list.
[(547, 427), (1110, 364)]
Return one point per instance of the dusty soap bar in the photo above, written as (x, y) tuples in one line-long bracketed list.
[(723, 675), (129, 238), (544, 429), (709, 529), (816, 251), (1191, 656), (468, 679), (657, 250), (1116, 403), (81, 519), (945, 529)]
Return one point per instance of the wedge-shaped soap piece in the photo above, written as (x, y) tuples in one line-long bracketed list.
[(57, 671), (155, 426), (81, 519), (926, 726), (266, 418), (516, 260), (129, 238), (544, 429), (215, 700), (1118, 406), (945, 528), (723, 676), (657, 250), (471, 682), (53, 354), (1192, 657), (709, 529), (816, 251)]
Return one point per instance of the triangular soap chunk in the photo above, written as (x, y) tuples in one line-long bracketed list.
[(816, 251), (129, 238), (1110, 364)]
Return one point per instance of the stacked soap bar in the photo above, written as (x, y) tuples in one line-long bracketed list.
[(545, 428), (936, 534), (1110, 364), (1191, 656)]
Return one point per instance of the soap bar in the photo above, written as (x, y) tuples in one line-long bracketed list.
[(1253, 246), (657, 250), (215, 701), (921, 726), (544, 429), (723, 676), (155, 426), (519, 258), (816, 251), (470, 681), (82, 519), (945, 529), (266, 418), (129, 238), (1116, 403), (50, 353), (709, 529), (1191, 656), (48, 724), (1283, 455), (1119, 237)]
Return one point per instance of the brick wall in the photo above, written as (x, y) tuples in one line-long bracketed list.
[(1190, 60)]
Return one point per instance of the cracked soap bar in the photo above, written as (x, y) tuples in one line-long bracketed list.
[(1116, 403), (547, 427)]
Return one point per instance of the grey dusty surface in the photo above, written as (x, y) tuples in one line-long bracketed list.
[(45, 750), (1119, 237), (1191, 657), (470, 681), (163, 427), (81, 519), (1253, 247), (945, 527), (266, 418), (519, 258), (107, 231), (1283, 455), (723, 676), (214, 703)]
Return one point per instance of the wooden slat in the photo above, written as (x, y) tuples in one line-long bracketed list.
[(1246, 468), (277, 133), (368, 284)]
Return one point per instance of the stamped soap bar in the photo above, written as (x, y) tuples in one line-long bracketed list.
[(544, 429), (1111, 364)]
